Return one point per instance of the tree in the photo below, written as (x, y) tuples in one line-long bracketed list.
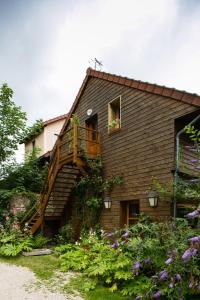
[(12, 124)]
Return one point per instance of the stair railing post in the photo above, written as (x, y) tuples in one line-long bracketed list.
[(58, 149), (75, 143)]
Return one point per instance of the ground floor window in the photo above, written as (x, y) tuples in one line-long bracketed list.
[(130, 211)]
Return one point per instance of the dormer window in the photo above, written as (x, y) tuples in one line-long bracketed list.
[(114, 114)]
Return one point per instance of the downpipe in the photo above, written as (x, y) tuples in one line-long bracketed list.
[(178, 162)]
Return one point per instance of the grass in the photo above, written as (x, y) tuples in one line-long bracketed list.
[(44, 268), (98, 293)]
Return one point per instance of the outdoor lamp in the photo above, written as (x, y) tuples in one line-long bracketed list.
[(107, 202), (153, 198)]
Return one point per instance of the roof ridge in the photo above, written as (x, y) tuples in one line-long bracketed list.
[(162, 90), (58, 118)]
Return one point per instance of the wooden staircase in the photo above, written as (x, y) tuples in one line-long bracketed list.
[(64, 170)]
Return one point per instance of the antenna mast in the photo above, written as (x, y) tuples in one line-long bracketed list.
[(96, 64)]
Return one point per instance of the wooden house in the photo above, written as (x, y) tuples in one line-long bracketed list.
[(133, 125)]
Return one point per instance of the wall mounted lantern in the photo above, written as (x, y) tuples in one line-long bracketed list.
[(107, 202), (153, 198)]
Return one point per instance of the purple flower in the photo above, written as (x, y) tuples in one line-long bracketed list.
[(115, 245), (109, 235), (136, 266), (148, 261), (198, 167), (163, 275), (125, 235), (157, 295), (193, 214), (194, 239), (138, 298), (169, 260), (194, 161), (188, 253), (178, 277)]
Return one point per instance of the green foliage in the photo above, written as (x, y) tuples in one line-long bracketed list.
[(131, 260), (26, 176), (24, 180), (33, 131), (90, 190), (89, 289), (13, 241), (43, 266), (38, 241), (66, 234), (193, 133), (12, 124)]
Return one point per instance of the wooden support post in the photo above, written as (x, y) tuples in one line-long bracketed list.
[(58, 150), (75, 143)]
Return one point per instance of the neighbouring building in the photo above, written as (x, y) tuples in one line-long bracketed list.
[(45, 141), (134, 126)]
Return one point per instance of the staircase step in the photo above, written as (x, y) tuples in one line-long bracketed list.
[(66, 176), (60, 187), (59, 195), (65, 180), (64, 194)]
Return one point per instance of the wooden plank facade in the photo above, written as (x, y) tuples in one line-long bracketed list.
[(143, 146)]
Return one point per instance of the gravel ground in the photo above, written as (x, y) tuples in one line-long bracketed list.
[(19, 283)]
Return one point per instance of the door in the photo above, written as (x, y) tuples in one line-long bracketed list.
[(92, 136), (130, 211)]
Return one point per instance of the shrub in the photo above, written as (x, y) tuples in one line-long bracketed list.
[(147, 260), (66, 234)]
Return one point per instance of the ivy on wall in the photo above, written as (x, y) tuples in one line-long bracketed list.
[(91, 190), (33, 131)]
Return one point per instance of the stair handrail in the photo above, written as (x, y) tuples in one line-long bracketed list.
[(56, 164), (35, 207)]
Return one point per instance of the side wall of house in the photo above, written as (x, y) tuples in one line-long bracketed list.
[(50, 134), (39, 143), (144, 147)]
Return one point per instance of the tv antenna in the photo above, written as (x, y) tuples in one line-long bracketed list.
[(96, 64)]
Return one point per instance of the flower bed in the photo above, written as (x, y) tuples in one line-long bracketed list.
[(147, 261)]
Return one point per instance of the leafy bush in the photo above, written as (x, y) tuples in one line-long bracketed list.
[(32, 131), (38, 241), (13, 241), (147, 260), (66, 234)]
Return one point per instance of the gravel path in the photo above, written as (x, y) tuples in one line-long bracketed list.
[(19, 283)]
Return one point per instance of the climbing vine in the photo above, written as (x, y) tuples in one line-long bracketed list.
[(32, 131), (90, 192)]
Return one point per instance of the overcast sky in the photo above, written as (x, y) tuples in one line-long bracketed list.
[(46, 45)]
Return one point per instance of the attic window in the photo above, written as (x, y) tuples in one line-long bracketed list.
[(114, 114)]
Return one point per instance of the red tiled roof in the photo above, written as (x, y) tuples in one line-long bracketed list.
[(183, 96), (50, 121), (192, 99)]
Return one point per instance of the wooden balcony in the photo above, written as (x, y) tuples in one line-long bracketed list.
[(79, 143)]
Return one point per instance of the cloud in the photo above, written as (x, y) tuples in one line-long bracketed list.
[(46, 45)]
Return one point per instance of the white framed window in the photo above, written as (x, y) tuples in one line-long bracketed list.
[(114, 114)]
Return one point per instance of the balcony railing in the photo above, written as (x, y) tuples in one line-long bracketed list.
[(79, 142)]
